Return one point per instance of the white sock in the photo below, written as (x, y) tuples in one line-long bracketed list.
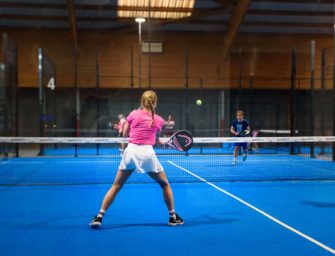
[(172, 213), (101, 213)]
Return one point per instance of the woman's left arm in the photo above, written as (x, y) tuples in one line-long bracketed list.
[(125, 131)]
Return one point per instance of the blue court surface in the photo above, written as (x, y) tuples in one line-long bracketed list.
[(276, 205)]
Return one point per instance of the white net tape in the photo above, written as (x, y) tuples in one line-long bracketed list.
[(200, 140)]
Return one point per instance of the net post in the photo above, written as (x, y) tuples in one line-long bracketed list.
[(240, 79), (77, 99), (149, 37), (186, 90), (221, 113), (16, 113), (323, 95), (131, 78), (3, 113), (46, 72), (77, 93), (41, 98), (203, 113), (97, 90), (250, 99), (54, 117), (312, 98), (9, 89), (3, 107), (333, 157), (293, 96), (6, 87)]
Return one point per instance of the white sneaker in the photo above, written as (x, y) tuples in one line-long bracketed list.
[(234, 162)]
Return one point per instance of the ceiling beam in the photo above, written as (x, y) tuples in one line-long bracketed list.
[(192, 19), (73, 23), (131, 21), (287, 24), (61, 29), (300, 1), (33, 17), (234, 24), (195, 11), (32, 5), (97, 7), (197, 15), (225, 3), (291, 12)]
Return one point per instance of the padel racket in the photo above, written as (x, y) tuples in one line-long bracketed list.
[(180, 140), (253, 147), (245, 133)]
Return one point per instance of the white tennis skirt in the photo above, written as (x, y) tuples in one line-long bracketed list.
[(141, 158)]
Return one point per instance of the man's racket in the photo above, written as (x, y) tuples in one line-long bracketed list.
[(245, 133), (253, 147), (181, 140)]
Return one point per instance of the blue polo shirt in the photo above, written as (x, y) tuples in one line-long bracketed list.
[(240, 126)]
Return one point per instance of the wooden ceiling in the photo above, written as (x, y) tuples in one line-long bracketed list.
[(226, 17), (276, 16)]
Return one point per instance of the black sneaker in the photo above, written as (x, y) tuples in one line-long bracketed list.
[(96, 222), (175, 221)]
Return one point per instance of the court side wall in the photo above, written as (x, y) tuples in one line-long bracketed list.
[(252, 55), (265, 109)]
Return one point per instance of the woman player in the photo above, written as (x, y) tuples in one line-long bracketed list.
[(237, 128), (141, 126)]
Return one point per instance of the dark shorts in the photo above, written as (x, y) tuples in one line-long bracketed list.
[(241, 144)]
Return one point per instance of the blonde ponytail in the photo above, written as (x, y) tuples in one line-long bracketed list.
[(148, 101)]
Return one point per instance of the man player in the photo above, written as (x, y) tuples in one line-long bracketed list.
[(238, 128)]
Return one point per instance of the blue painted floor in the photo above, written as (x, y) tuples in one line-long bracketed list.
[(53, 220)]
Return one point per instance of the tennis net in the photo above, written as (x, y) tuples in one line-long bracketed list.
[(62, 161)]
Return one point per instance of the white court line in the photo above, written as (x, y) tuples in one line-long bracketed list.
[(325, 247)]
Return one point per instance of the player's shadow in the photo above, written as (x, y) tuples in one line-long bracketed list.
[(224, 164), (203, 219), (206, 219), (73, 223), (79, 222), (132, 225), (318, 204)]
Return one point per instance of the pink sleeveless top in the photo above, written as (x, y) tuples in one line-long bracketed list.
[(140, 133)]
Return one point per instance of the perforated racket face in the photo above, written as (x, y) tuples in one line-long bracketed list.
[(181, 140), (246, 132)]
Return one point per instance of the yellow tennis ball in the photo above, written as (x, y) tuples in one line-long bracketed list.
[(198, 102)]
